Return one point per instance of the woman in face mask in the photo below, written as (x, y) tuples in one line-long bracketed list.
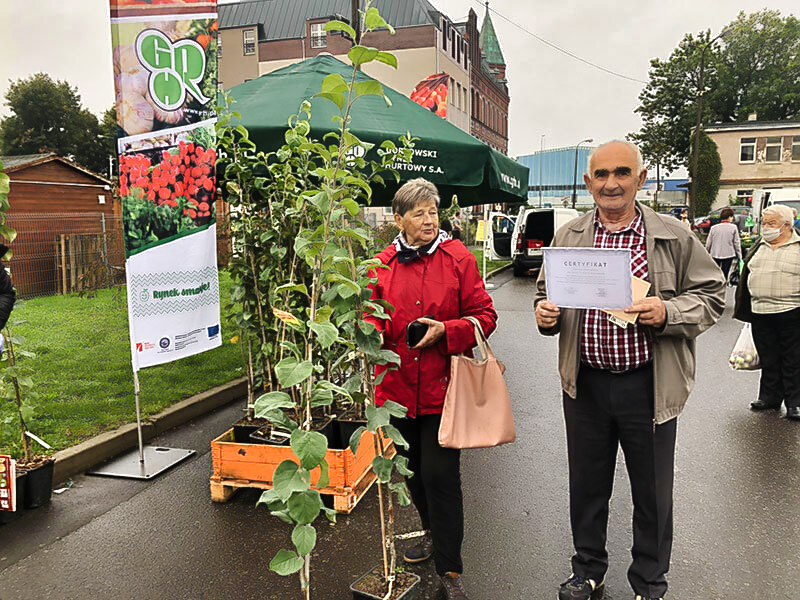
[(768, 296)]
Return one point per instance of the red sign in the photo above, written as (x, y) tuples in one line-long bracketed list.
[(8, 484)]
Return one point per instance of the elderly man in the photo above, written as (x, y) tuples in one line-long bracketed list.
[(768, 296), (625, 386)]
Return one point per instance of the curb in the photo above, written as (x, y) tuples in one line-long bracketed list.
[(80, 458), (499, 270)]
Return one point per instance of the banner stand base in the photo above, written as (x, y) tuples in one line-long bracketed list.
[(157, 459)]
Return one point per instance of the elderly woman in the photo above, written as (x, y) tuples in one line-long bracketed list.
[(432, 280), (723, 243), (768, 296)]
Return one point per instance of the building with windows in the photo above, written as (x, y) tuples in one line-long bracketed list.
[(553, 175), (260, 36), (756, 155)]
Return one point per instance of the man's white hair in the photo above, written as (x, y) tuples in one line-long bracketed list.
[(783, 212), (632, 146)]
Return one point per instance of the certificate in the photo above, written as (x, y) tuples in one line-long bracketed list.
[(588, 277)]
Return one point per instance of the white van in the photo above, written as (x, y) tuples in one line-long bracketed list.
[(533, 230), (786, 196)]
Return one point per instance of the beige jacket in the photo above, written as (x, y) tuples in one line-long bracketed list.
[(683, 275)]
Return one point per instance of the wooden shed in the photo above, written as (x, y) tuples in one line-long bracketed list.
[(68, 225)]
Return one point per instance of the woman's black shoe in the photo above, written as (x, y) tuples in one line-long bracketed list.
[(422, 551), (761, 405)]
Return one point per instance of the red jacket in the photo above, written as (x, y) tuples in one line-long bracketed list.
[(447, 285)]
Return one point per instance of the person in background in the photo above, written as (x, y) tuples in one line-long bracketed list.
[(457, 226), (685, 218), (768, 297), (723, 243), (7, 293), (435, 281), (626, 387)]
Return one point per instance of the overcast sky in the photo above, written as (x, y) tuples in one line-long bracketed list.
[(551, 94)]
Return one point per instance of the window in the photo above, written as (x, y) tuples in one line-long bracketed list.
[(444, 34), (387, 210), (796, 148), (747, 150), (318, 39), (450, 99), (774, 149), (249, 42), (219, 45), (744, 197)]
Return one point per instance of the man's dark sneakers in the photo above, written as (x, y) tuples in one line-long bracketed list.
[(422, 551), (793, 412), (580, 588), (453, 586)]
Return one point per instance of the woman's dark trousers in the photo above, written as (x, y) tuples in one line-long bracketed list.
[(611, 411), (777, 340), (435, 488)]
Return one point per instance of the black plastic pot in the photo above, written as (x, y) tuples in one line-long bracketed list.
[(243, 429), (344, 430), (269, 435), (6, 516), (409, 594), (39, 485)]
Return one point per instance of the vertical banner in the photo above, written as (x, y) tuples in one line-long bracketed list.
[(8, 484), (431, 93), (165, 76)]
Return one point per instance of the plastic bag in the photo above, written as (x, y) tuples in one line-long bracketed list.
[(733, 274), (744, 356)]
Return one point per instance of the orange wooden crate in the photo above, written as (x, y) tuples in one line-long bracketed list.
[(237, 465)]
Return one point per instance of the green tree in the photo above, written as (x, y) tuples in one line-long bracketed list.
[(48, 117), (754, 67), (709, 169), (108, 139)]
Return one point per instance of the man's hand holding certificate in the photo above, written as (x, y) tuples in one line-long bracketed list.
[(596, 278)]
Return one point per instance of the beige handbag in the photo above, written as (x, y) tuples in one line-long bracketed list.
[(477, 408)]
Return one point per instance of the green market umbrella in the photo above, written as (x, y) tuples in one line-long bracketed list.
[(452, 159)]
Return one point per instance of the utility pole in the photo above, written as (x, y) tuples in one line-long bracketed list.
[(355, 19)]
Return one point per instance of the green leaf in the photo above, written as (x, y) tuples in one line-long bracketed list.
[(279, 419), (351, 206), (309, 446), (27, 411), (360, 55), (355, 439), (374, 20), (396, 410), (324, 475), (292, 287), (323, 314), (334, 83), (290, 372), (399, 488), (330, 514), (272, 401), (387, 58), (286, 563), (304, 538), (337, 98), (326, 333), (283, 515), (289, 479), (305, 507), (377, 417), (401, 464), (340, 26), (395, 436), (270, 498), (365, 88), (321, 396), (383, 468)]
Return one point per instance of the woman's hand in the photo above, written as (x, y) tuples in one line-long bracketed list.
[(433, 335)]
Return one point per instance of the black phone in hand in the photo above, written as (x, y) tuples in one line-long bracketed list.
[(415, 331)]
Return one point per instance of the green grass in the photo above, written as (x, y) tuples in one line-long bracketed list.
[(491, 265), (83, 383)]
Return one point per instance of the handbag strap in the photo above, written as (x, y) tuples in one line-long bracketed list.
[(484, 348)]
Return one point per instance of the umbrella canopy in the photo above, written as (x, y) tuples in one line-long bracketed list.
[(454, 160)]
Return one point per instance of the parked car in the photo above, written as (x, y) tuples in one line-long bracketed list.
[(533, 230), (676, 211), (705, 223)]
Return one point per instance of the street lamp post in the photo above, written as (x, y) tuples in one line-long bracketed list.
[(575, 172), (699, 123)]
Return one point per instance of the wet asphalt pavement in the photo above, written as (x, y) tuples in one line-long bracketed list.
[(737, 515)]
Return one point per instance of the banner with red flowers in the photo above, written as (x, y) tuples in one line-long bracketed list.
[(165, 77), (431, 93)]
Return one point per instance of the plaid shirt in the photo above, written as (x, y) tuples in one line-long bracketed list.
[(605, 345)]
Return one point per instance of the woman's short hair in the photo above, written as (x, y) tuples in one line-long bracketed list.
[(785, 213), (726, 213), (412, 193)]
